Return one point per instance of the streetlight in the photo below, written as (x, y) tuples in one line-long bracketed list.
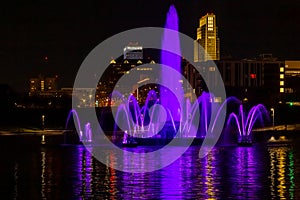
[(43, 122), (273, 116)]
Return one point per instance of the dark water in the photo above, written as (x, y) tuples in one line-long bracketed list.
[(71, 172)]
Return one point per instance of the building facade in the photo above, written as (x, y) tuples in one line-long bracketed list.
[(290, 81), (42, 86), (133, 51), (207, 43), (259, 80)]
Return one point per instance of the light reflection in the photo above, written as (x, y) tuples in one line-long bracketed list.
[(175, 180), (86, 172), (247, 175), (281, 158), (282, 167), (16, 180), (112, 176), (272, 172), (291, 175), (210, 191), (43, 174)]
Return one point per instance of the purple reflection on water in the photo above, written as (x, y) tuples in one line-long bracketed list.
[(70, 172), (86, 168)]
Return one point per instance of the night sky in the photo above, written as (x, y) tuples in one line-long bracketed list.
[(65, 31)]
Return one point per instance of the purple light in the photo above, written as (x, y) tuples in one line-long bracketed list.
[(85, 136), (170, 41), (245, 126)]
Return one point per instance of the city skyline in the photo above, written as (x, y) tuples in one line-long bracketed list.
[(43, 37)]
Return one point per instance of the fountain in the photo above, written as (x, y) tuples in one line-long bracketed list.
[(170, 113), (84, 136), (245, 122), (145, 121), (87, 136), (171, 41)]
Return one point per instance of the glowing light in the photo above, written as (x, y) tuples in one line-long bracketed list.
[(253, 76), (212, 69)]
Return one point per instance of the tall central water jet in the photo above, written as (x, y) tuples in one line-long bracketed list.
[(170, 42)]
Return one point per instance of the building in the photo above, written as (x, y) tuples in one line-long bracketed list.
[(134, 64), (42, 86), (50, 84), (133, 51), (290, 80), (207, 37), (34, 86), (260, 80)]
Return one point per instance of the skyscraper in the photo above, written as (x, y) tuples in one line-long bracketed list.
[(133, 51), (207, 37)]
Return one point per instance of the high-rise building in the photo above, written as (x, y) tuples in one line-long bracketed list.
[(207, 37), (133, 51)]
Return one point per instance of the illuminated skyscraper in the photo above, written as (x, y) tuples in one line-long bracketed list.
[(207, 37), (133, 51)]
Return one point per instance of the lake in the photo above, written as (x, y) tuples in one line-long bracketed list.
[(71, 172)]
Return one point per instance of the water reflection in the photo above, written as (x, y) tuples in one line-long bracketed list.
[(71, 172), (209, 176), (238, 173), (16, 180), (282, 172), (43, 165), (86, 169)]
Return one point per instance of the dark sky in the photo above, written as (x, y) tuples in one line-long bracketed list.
[(66, 31)]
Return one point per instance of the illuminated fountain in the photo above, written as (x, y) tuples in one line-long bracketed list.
[(138, 121), (171, 41), (210, 112), (145, 121), (84, 136), (172, 113), (245, 122)]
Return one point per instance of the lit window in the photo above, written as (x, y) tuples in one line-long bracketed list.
[(212, 69), (281, 69), (281, 83), (281, 76), (217, 99), (281, 90)]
